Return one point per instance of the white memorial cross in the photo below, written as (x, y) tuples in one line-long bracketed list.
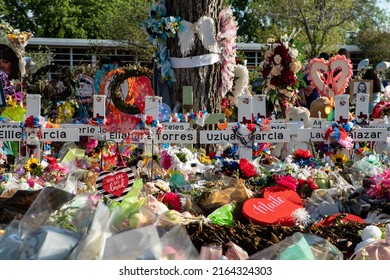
[(341, 117), (249, 107), (14, 132)]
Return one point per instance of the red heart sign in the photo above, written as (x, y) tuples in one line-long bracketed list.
[(275, 208), (330, 77), (115, 185)]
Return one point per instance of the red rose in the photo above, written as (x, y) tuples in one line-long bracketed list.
[(306, 187), (171, 200), (287, 181), (302, 154), (51, 160), (149, 119), (29, 121), (247, 168)]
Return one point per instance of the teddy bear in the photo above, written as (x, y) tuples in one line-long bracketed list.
[(319, 105), (293, 114)]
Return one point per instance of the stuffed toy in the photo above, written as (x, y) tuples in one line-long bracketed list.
[(293, 114), (319, 105)]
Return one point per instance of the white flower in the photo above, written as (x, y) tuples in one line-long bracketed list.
[(276, 70), (277, 59), (284, 38), (293, 52)]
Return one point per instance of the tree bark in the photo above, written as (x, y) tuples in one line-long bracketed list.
[(206, 79)]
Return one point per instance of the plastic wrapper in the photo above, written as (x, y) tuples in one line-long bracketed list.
[(90, 244), (326, 202), (135, 244), (176, 244), (16, 206), (300, 246), (130, 204), (235, 252), (376, 249), (148, 214), (150, 243), (210, 252), (223, 216), (172, 217), (364, 168), (31, 238)]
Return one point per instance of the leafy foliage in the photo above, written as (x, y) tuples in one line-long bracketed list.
[(59, 18), (374, 45), (322, 22)]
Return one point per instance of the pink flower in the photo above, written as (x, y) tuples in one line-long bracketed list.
[(376, 191), (287, 181), (166, 160), (346, 143), (92, 144)]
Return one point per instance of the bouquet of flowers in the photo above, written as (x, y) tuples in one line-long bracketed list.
[(282, 70)]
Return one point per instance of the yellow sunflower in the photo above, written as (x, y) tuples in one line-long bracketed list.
[(339, 159), (32, 164)]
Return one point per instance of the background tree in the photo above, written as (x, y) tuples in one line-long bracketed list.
[(322, 22), (59, 18), (130, 15), (206, 79), (375, 45)]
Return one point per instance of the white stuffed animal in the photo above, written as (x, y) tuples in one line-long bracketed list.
[(293, 114)]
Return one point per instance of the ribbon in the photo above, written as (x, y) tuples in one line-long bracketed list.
[(195, 61)]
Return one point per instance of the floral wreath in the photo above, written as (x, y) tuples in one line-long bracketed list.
[(48, 91), (107, 79), (115, 93), (282, 69), (160, 28), (106, 68)]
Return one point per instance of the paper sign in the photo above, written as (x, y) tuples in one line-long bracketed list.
[(115, 185), (275, 208), (176, 126), (362, 104), (358, 135), (341, 111), (152, 106), (33, 105), (220, 136), (244, 109), (99, 105), (259, 106), (85, 129)]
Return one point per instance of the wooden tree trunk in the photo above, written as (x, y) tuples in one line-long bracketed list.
[(206, 79)]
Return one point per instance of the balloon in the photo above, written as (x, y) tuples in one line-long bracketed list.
[(144, 87), (164, 113), (363, 64), (382, 66)]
